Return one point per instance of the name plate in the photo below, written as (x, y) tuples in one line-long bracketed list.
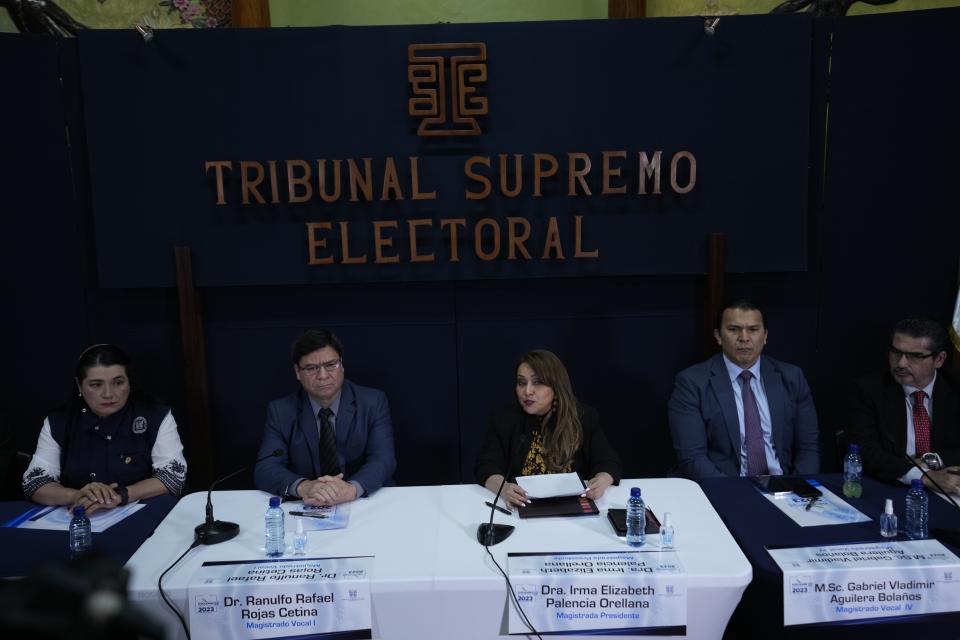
[(863, 581), (634, 592), (271, 598)]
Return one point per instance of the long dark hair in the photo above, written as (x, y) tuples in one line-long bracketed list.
[(562, 432)]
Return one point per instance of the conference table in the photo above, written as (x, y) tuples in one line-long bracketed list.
[(430, 578), (756, 525), (27, 550)]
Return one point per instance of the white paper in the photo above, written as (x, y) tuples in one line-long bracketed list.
[(551, 485), (827, 509), (58, 518)]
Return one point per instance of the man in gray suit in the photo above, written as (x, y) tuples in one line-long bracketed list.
[(737, 414)]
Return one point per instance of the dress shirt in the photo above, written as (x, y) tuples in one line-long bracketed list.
[(756, 385), (913, 473)]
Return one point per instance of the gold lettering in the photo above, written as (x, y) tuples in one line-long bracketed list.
[(218, 167), (468, 169), (274, 189), (453, 223), (314, 243), (412, 230), (515, 240), (478, 239), (390, 181), (649, 169), (362, 182), (248, 185), (322, 180), (303, 180), (673, 171), (345, 257), (553, 240), (578, 251), (517, 171), (379, 242), (611, 172), (578, 175), (539, 172)]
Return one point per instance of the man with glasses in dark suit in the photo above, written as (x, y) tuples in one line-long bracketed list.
[(912, 409), (336, 436)]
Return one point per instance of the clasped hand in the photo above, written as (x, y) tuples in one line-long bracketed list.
[(96, 496), (327, 490)]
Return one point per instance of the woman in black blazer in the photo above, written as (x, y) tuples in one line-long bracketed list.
[(545, 431)]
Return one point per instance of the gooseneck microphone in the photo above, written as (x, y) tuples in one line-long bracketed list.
[(950, 536), (216, 531), (489, 534)]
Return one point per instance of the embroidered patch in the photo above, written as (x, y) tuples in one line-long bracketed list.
[(140, 425)]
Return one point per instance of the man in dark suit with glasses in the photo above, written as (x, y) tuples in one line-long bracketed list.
[(336, 436), (912, 409)]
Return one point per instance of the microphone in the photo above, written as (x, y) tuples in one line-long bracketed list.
[(489, 534), (216, 531), (950, 536)]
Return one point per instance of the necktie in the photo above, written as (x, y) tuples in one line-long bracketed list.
[(753, 433), (328, 444), (921, 423)]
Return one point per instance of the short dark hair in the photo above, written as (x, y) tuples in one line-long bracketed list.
[(312, 340), (101, 355), (924, 327), (742, 305)]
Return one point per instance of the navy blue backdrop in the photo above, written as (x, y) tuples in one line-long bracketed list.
[(881, 244)]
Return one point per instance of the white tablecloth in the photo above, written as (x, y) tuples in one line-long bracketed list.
[(431, 579)]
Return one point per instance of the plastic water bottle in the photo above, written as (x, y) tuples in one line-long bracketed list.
[(636, 519), (274, 528), (917, 512), (81, 539), (666, 532), (300, 539), (853, 472), (888, 520)]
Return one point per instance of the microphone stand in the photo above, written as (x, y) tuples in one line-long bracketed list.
[(217, 531), (950, 536), (488, 533)]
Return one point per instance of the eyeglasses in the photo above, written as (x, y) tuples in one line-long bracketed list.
[(314, 369), (912, 356)]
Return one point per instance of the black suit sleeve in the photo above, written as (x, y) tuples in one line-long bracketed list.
[(869, 425), (500, 441), (596, 453)]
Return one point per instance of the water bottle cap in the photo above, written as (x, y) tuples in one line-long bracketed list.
[(274, 502), (635, 492), (299, 525), (853, 448), (79, 511), (666, 518), (916, 483), (888, 507)]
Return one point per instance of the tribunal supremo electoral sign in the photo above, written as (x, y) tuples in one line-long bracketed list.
[(281, 598), (873, 580), (631, 591)]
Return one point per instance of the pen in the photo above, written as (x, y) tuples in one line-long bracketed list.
[(304, 514), (810, 504), (499, 508)]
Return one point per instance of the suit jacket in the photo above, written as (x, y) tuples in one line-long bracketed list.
[(877, 420), (364, 439), (510, 428), (706, 430)]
